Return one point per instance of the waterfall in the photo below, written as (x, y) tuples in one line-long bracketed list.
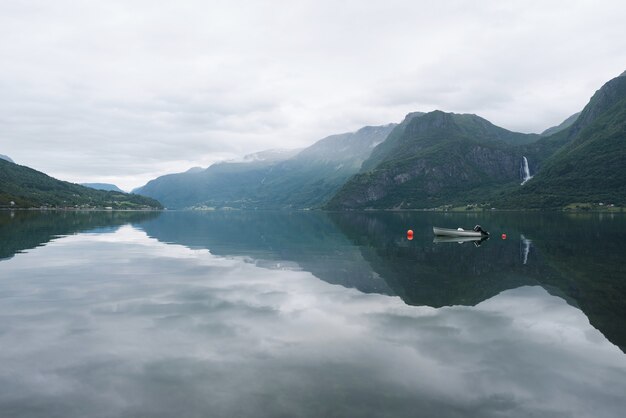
[(525, 171)]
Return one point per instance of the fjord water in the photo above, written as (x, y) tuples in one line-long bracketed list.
[(195, 314)]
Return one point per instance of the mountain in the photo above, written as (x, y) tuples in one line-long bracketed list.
[(23, 187), (5, 158), (562, 126), (588, 167), (272, 179), (103, 186), (436, 159), (433, 159)]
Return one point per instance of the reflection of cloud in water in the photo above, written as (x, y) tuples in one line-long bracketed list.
[(134, 327)]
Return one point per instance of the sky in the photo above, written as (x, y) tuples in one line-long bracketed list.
[(125, 91)]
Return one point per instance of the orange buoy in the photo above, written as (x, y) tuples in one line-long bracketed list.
[(503, 236), (409, 234)]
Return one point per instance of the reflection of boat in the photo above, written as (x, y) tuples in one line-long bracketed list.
[(460, 232), (460, 240)]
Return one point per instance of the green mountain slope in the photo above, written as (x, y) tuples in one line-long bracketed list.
[(304, 180), (589, 166), (433, 159), (27, 188)]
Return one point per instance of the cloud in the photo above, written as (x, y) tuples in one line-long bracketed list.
[(124, 91)]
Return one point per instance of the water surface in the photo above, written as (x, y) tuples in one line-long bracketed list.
[(195, 314)]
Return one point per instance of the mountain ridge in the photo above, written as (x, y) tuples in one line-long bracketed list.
[(6, 158)]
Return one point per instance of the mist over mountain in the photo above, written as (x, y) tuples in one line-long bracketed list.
[(6, 158), (430, 160), (103, 186), (562, 126), (272, 179)]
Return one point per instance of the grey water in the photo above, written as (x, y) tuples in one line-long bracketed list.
[(311, 314)]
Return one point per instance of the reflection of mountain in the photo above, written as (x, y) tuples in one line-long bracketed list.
[(576, 259), (588, 252), (309, 239), (435, 274), (22, 230)]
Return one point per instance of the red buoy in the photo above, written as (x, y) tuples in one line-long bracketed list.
[(409, 234), (503, 236)]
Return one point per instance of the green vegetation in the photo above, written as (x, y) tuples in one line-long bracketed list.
[(23, 187)]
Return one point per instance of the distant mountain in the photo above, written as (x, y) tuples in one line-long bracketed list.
[(5, 158), (562, 126), (23, 187), (103, 186), (272, 179), (223, 184), (589, 164), (433, 159)]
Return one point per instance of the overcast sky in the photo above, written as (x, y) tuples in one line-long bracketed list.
[(124, 91)]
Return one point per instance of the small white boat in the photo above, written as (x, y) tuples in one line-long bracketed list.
[(460, 232)]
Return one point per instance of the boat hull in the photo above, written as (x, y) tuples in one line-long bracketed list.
[(445, 232)]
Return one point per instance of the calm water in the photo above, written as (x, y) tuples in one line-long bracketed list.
[(240, 314)]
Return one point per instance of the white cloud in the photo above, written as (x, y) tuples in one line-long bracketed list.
[(126, 91)]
